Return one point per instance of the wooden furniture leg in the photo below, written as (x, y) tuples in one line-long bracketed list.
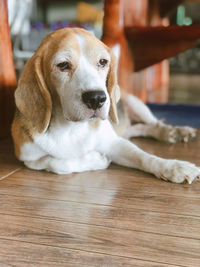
[(114, 37), (7, 73)]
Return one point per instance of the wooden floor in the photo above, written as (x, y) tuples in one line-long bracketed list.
[(115, 217)]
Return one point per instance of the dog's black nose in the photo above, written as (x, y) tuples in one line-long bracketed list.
[(94, 99)]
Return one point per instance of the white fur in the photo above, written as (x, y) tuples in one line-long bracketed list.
[(74, 142), (116, 50)]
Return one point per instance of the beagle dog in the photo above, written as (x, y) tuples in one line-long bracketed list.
[(66, 117)]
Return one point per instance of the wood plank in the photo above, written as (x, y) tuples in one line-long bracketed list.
[(124, 243), (127, 218), (8, 162), (133, 181), (35, 255), (182, 151), (136, 196)]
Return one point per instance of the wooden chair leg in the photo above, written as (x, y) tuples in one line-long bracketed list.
[(136, 14), (113, 36), (7, 73)]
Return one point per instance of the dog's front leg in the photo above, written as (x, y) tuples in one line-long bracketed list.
[(88, 162), (123, 152)]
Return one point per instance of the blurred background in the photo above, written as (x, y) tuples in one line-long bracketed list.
[(31, 20)]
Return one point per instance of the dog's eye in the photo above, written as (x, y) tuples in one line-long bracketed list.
[(64, 66), (102, 63)]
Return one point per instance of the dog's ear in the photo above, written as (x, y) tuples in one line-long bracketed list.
[(32, 96), (113, 88)]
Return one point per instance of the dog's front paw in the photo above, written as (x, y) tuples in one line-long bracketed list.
[(185, 133), (173, 134), (180, 171)]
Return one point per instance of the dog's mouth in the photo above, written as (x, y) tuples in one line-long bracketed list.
[(99, 113), (86, 114), (93, 116)]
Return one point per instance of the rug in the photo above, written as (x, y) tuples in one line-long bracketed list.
[(174, 114)]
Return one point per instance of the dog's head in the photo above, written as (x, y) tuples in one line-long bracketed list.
[(75, 67)]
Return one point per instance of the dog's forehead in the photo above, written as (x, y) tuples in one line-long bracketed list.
[(82, 43), (68, 41), (89, 44)]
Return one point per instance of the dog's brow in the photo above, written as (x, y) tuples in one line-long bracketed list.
[(63, 55)]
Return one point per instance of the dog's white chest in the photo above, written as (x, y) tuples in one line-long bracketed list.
[(72, 140)]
